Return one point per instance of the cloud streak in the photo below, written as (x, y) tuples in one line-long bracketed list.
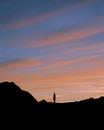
[(20, 64), (67, 36), (44, 16), (46, 81), (35, 20)]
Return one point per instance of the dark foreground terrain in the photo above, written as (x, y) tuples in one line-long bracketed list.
[(19, 108)]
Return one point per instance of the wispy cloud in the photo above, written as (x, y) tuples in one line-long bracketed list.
[(44, 16), (81, 48), (61, 75), (35, 20), (67, 36), (91, 61), (46, 82), (15, 65)]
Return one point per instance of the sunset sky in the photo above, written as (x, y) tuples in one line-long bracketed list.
[(51, 46)]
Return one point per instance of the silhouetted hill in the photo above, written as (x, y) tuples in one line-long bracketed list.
[(16, 105), (20, 108), (11, 93)]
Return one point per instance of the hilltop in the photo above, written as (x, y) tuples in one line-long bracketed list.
[(19, 106)]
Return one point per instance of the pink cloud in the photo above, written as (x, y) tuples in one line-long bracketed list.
[(66, 36), (20, 64), (97, 47)]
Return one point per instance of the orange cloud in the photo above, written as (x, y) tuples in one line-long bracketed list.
[(60, 75)]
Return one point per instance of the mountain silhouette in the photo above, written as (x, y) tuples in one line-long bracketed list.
[(20, 107), (12, 93), (17, 106)]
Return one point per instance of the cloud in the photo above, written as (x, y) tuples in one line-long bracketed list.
[(82, 48), (90, 61), (59, 75), (33, 20), (66, 36), (39, 18), (44, 16), (19, 64)]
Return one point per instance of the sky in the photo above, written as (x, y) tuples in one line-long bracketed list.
[(51, 46)]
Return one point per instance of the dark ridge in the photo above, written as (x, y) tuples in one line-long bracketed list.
[(43, 101), (18, 107), (9, 87), (12, 91)]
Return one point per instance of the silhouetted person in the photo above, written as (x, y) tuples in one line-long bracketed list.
[(54, 97)]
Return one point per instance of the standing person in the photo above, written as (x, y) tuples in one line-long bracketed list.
[(54, 97)]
